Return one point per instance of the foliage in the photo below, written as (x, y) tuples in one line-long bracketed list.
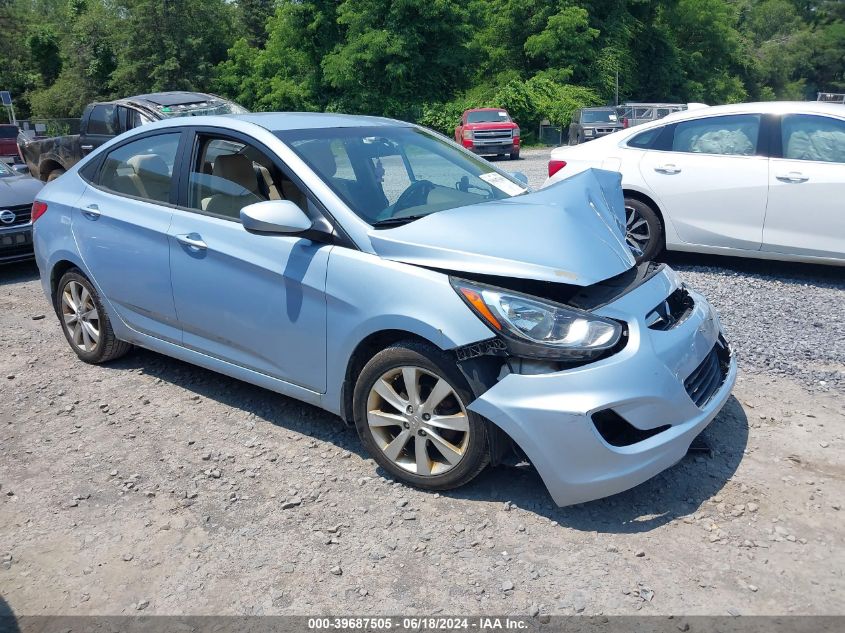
[(528, 102), (421, 59)]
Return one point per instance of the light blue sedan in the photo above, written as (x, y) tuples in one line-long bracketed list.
[(379, 271)]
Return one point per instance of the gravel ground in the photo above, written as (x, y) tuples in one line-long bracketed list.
[(153, 486)]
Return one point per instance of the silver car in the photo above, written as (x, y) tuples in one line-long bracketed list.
[(381, 272), (17, 192)]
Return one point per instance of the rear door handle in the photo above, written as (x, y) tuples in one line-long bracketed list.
[(192, 240), (86, 148), (793, 176), (667, 169), (92, 212)]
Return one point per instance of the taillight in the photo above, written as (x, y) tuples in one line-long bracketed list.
[(555, 166), (625, 123), (38, 209)]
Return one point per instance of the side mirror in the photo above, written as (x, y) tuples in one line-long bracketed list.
[(520, 177), (20, 168), (275, 216)]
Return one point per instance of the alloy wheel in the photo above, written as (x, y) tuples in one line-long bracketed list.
[(80, 316), (637, 230), (418, 421)]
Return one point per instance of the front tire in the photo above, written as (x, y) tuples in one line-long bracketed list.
[(410, 411), (84, 321), (643, 230)]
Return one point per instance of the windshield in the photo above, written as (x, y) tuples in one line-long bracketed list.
[(210, 107), (488, 116), (5, 171), (598, 116), (394, 175)]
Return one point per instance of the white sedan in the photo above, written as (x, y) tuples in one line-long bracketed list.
[(764, 180)]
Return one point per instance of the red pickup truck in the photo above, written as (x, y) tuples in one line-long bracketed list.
[(489, 131), (9, 143)]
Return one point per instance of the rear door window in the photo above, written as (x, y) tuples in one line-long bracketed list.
[(142, 168), (103, 120), (734, 135)]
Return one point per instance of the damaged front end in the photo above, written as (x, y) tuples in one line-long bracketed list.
[(601, 372)]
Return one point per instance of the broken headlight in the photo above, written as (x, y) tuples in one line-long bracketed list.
[(537, 328)]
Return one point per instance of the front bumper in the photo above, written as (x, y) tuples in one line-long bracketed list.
[(493, 148), (16, 243), (550, 416)]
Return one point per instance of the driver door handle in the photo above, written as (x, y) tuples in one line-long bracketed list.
[(192, 240), (667, 169), (793, 176), (92, 212)]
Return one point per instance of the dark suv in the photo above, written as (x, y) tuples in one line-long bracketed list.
[(590, 123)]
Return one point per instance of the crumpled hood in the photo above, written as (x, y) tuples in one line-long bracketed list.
[(571, 232)]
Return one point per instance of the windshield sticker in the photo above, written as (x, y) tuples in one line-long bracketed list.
[(503, 113), (502, 184)]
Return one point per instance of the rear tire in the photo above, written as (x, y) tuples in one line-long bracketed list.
[(84, 321), (55, 174), (431, 445), (644, 230), (515, 155)]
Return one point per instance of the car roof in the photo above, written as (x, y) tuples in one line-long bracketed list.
[(597, 108), (172, 98), (484, 109), (763, 107), (280, 121)]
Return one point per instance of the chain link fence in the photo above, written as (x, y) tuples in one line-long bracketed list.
[(45, 128)]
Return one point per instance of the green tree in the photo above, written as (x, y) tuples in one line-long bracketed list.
[(254, 15), (170, 44), (285, 74), (43, 45), (396, 54), (566, 43)]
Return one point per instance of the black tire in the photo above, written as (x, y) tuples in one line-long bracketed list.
[(108, 347), (515, 155), (55, 174), (656, 238), (427, 357)]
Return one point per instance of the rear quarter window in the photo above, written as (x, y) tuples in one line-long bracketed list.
[(645, 140)]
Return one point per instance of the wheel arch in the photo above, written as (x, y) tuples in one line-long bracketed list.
[(368, 347), (499, 442), (645, 199), (47, 166), (59, 269)]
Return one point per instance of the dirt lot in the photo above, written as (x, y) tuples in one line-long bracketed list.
[(151, 485)]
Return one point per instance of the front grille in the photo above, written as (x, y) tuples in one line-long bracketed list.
[(705, 380), (492, 135), (22, 213), (605, 130), (671, 312)]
